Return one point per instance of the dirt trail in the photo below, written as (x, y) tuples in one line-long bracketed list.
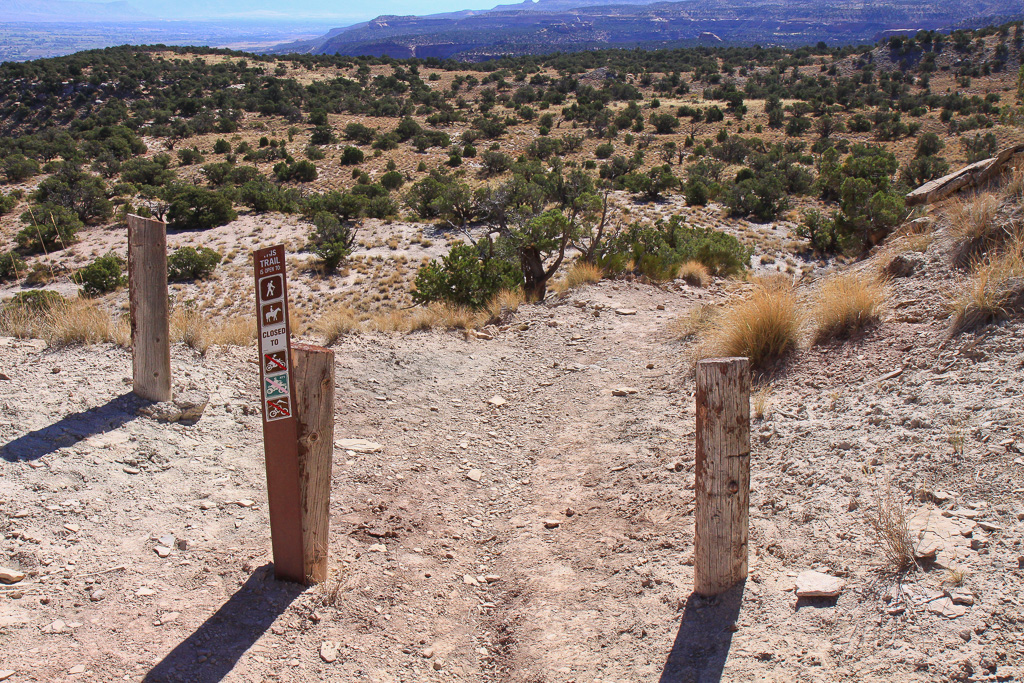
[(545, 539)]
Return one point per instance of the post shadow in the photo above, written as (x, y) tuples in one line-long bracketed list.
[(74, 428), (229, 633), (705, 635)]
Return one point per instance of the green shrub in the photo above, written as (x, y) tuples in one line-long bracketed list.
[(392, 180), (7, 203), (300, 171), (221, 146), (12, 265), (464, 277), (36, 300), (657, 251), (18, 167), (351, 156), (263, 196), (314, 153), (196, 208), (103, 275), (187, 263), (142, 171), (331, 240), (190, 156), (604, 151), (48, 227)]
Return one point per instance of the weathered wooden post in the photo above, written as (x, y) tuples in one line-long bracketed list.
[(723, 474), (148, 305), (314, 407), (297, 386)]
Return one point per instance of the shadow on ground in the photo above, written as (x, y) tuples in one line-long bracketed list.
[(74, 428), (209, 654), (705, 635)]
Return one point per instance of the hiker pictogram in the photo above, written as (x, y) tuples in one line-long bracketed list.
[(271, 288)]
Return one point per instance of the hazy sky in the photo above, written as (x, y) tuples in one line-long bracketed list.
[(338, 11)]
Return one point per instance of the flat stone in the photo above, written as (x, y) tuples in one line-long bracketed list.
[(208, 505), (497, 401), (378, 548), (359, 445), (329, 651), (812, 584), (162, 551), (989, 526), (625, 311), (167, 618), (945, 607), (243, 503), (191, 405), (551, 523), (475, 475), (161, 412), (77, 669), (6, 673), (469, 580), (10, 575), (97, 595), (166, 540), (624, 391), (145, 591)]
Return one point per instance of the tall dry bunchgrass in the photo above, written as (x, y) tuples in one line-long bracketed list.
[(763, 326), (505, 302), (80, 321), (994, 290), (695, 273), (972, 218), (888, 520), (336, 323), (973, 225), (693, 323), (846, 304), (1013, 184), (579, 274), (189, 326)]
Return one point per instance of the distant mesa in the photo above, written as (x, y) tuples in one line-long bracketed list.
[(548, 26)]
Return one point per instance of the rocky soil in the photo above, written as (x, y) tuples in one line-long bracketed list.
[(520, 508)]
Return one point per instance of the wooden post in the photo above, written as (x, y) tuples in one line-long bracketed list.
[(723, 474), (313, 369), (150, 317), (280, 427)]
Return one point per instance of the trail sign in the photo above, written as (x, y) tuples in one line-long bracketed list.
[(280, 428)]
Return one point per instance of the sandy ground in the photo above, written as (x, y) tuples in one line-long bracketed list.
[(436, 576)]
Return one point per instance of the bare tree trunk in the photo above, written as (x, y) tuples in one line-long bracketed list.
[(533, 272)]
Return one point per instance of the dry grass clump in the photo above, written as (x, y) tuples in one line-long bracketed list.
[(846, 304), (972, 223), (579, 274), (189, 326), (80, 321), (505, 302), (1013, 184), (695, 273), (763, 326), (336, 323), (693, 323), (994, 291), (888, 521)]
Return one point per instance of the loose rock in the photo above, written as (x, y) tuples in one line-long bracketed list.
[(812, 584)]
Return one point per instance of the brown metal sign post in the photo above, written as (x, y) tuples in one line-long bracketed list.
[(280, 427)]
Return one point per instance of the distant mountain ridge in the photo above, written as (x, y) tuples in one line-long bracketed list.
[(50, 11), (570, 25)]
